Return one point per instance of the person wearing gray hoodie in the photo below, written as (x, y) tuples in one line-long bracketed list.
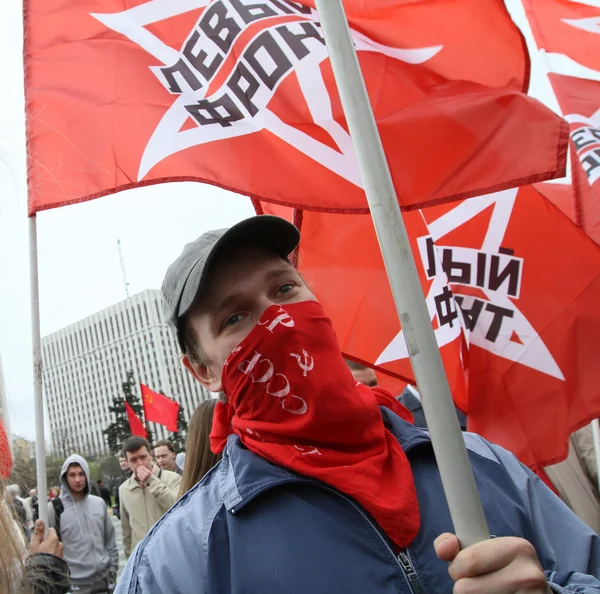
[(86, 531)]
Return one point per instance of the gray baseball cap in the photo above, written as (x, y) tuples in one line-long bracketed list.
[(186, 276)]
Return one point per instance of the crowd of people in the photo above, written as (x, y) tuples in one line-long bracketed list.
[(303, 476), (82, 535)]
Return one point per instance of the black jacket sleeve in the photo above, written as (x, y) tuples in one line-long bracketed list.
[(47, 574)]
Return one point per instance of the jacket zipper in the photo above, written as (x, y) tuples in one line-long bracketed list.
[(409, 570), (403, 557)]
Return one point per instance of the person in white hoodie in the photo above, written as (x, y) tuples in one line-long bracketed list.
[(82, 522)]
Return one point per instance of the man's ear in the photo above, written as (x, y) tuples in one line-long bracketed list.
[(203, 374)]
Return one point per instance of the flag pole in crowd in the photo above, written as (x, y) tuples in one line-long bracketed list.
[(38, 398), (455, 469)]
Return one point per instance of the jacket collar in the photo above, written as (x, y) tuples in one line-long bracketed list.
[(243, 475)]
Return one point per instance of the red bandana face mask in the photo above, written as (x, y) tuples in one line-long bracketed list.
[(293, 401)]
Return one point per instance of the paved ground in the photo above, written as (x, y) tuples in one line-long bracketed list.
[(119, 532)]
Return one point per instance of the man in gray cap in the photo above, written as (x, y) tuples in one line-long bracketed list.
[(234, 257), (323, 486)]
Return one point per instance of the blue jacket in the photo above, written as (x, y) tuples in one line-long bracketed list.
[(254, 528)]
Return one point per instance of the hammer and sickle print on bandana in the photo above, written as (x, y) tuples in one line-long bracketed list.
[(293, 401)]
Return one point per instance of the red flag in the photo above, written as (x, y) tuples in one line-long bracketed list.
[(6, 461), (135, 424), (243, 97), (567, 27), (561, 195), (160, 409), (517, 322), (580, 102)]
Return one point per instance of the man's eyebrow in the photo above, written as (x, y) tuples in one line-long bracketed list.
[(275, 273), (280, 271), (225, 304)]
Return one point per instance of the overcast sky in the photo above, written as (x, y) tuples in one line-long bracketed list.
[(78, 257)]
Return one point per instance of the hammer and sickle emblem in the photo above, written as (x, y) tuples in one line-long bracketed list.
[(308, 450), (305, 361)]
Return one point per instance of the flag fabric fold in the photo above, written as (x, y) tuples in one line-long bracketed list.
[(135, 423), (160, 409), (263, 117), (573, 29), (512, 287), (580, 102), (567, 27)]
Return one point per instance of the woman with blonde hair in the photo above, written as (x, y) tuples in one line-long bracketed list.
[(199, 458), (38, 570)]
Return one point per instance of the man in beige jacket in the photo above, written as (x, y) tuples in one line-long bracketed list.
[(146, 495), (576, 478)]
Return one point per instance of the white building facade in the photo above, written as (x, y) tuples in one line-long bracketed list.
[(85, 364)]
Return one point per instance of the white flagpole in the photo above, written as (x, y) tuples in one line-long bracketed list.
[(38, 398), (596, 437), (451, 455)]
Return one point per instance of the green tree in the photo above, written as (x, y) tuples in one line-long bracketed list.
[(118, 431), (110, 471), (94, 468), (54, 465), (24, 472), (178, 439)]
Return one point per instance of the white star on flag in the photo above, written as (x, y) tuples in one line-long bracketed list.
[(531, 350), (169, 138)]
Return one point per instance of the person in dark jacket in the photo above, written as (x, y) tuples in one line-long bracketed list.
[(104, 493), (34, 505), (126, 474), (411, 399), (324, 486)]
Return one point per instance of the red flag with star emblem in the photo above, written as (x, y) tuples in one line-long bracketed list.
[(160, 409), (135, 423), (241, 94), (567, 27), (512, 287), (580, 102)]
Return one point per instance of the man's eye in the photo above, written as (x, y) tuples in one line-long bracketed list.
[(231, 320), (286, 288)]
